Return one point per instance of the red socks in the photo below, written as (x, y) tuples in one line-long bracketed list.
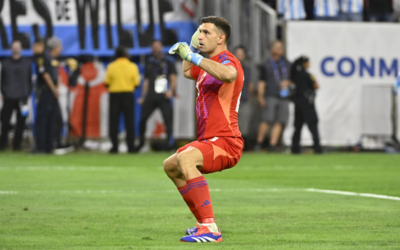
[(200, 205), (186, 197)]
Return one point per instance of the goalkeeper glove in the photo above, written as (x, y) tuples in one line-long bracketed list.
[(183, 50), (194, 43)]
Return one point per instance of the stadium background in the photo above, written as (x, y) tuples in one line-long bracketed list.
[(75, 22), (91, 200), (94, 28)]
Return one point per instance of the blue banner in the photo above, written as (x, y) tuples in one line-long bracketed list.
[(94, 27)]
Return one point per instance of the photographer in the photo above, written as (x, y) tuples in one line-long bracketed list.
[(304, 104), (158, 90)]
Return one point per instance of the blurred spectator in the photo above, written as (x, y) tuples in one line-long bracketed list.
[(158, 89), (274, 77), (16, 85), (380, 10), (291, 9), (351, 10), (38, 49), (326, 10), (309, 8), (245, 109), (62, 147), (396, 9), (47, 84), (304, 104), (122, 78)]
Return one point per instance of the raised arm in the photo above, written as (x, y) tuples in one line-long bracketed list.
[(186, 67), (224, 73), (220, 72), (194, 46)]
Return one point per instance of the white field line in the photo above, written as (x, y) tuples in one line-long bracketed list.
[(283, 168), (8, 192), (63, 168), (139, 191), (111, 168), (377, 196)]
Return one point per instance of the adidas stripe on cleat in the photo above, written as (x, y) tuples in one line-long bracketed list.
[(193, 230), (203, 235)]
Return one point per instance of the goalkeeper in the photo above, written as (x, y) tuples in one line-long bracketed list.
[(219, 143)]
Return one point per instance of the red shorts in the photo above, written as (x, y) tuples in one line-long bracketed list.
[(219, 153)]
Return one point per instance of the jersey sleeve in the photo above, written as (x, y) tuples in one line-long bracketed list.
[(195, 72), (263, 76), (228, 60)]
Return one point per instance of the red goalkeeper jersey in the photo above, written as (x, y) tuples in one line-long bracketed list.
[(217, 102)]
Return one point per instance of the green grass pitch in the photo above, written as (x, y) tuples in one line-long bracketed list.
[(97, 201)]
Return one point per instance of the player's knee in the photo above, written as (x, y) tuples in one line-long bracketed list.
[(182, 157), (167, 165), (170, 165), (184, 160)]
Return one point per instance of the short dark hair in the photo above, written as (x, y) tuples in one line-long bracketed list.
[(221, 23), (297, 66), (39, 41), (156, 41), (121, 51)]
